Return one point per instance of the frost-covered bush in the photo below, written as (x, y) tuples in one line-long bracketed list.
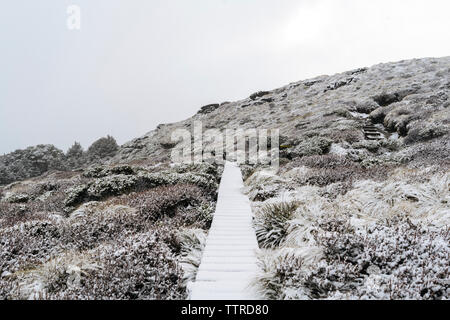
[(28, 244), (278, 272), (126, 247), (60, 274), (349, 135), (165, 201), (111, 186), (100, 171), (98, 225), (263, 184), (272, 223), (395, 260), (198, 216), (140, 266), (330, 169), (419, 132), (31, 162), (76, 195), (432, 153), (320, 161), (385, 239), (117, 184), (136, 267), (311, 146), (372, 146), (191, 243)]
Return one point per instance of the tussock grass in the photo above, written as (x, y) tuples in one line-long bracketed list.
[(271, 223)]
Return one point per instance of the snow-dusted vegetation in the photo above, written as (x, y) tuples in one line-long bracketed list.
[(371, 239), (359, 208), (139, 239)]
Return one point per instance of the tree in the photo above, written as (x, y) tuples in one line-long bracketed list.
[(75, 151), (103, 148), (75, 155)]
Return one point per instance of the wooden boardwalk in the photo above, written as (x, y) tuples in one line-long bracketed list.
[(228, 263)]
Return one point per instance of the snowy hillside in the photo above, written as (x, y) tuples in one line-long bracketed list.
[(359, 208)]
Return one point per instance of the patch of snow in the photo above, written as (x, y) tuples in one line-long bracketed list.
[(359, 115), (338, 150)]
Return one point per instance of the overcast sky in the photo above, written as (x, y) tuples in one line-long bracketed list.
[(138, 63)]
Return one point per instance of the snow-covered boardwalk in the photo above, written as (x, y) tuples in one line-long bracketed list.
[(228, 263)]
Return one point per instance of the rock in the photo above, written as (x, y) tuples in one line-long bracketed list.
[(259, 94), (16, 198), (209, 108)]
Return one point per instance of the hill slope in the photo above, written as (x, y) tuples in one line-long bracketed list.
[(359, 208), (408, 99)]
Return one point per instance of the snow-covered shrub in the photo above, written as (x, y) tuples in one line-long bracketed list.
[(100, 224), (191, 243), (247, 171), (133, 249), (12, 214), (31, 162), (349, 135), (100, 171), (28, 244), (426, 201), (419, 132), (311, 146), (320, 161), (111, 186), (137, 267), (372, 146), (64, 272), (272, 223), (140, 266), (263, 184), (394, 259), (325, 170), (432, 153), (403, 260), (197, 216), (76, 195), (277, 270), (204, 168), (117, 184), (384, 239), (164, 200)]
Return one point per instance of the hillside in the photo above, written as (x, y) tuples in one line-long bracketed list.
[(359, 208), (406, 100)]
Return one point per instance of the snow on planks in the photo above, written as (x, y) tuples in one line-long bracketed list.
[(228, 263)]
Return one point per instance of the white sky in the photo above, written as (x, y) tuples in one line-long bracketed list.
[(137, 63)]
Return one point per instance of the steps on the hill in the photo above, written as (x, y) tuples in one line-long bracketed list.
[(372, 133)]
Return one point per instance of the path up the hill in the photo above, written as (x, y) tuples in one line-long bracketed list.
[(228, 263)]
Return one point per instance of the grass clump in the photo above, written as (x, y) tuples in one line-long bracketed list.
[(272, 223)]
